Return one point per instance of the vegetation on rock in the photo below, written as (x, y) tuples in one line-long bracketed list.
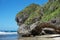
[(33, 13)]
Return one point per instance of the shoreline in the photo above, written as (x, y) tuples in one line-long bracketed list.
[(43, 37)]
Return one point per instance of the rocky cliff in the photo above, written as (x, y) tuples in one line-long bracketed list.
[(37, 20)]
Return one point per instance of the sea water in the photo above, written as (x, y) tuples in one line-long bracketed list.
[(8, 36)]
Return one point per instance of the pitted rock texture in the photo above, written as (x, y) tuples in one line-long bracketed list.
[(39, 20)]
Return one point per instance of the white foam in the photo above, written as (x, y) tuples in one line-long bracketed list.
[(4, 33)]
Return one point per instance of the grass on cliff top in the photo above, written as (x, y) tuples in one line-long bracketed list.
[(56, 13), (51, 7), (29, 9), (51, 13), (32, 16), (33, 11), (51, 10)]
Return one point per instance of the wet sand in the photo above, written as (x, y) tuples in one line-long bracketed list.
[(44, 37)]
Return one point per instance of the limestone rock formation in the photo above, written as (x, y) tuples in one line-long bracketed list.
[(39, 20), (45, 28), (25, 30)]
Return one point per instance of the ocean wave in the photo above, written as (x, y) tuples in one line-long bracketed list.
[(4, 33)]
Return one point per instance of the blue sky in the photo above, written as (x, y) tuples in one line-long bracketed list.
[(9, 9)]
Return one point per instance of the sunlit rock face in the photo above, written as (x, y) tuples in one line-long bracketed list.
[(25, 30), (28, 19), (39, 20), (38, 29)]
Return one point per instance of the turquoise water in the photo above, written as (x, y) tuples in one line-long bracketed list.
[(9, 37)]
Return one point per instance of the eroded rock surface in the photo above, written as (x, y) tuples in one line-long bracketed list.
[(36, 20)]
